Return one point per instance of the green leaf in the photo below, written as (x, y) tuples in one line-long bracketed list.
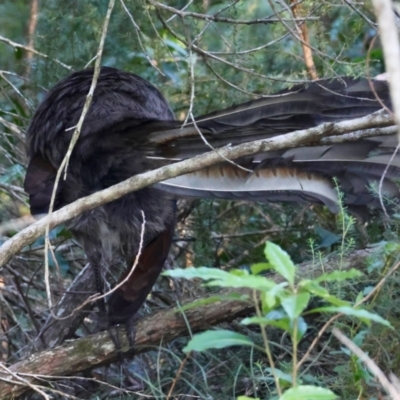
[(255, 320), (218, 277), (280, 261), (339, 276), (282, 376), (217, 339), (295, 304), (214, 299), (259, 267), (318, 290), (274, 318), (359, 338), (359, 297), (271, 298), (279, 320), (301, 329), (247, 398), (362, 314), (307, 392)]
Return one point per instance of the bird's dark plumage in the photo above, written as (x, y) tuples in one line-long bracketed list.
[(130, 129)]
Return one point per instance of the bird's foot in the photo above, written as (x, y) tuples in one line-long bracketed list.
[(130, 331)]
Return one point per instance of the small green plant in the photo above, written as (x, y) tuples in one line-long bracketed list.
[(283, 305)]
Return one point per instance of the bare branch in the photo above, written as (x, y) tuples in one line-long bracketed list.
[(30, 49), (305, 44), (31, 32), (293, 139), (391, 49), (208, 17), (374, 369), (77, 131)]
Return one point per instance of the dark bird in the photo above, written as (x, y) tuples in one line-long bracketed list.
[(130, 129)]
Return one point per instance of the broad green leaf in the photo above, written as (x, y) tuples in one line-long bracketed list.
[(295, 304), (260, 267), (367, 290), (308, 392), (316, 289), (275, 318), (239, 272), (218, 277), (283, 376), (271, 298), (359, 338), (217, 339), (284, 324), (364, 315), (279, 320), (280, 261), (255, 320), (301, 329), (359, 297), (214, 299), (247, 398), (201, 273), (339, 276)]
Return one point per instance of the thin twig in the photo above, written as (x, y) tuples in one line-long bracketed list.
[(391, 52), (178, 374), (64, 165), (371, 365), (139, 38), (30, 49), (24, 381), (305, 44), (208, 17)]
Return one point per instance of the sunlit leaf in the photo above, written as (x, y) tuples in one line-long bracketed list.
[(364, 315), (339, 276), (271, 298), (283, 376), (218, 277), (295, 304), (217, 339), (307, 392), (213, 299), (260, 267), (317, 290), (280, 261)]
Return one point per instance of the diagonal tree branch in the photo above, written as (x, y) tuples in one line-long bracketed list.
[(297, 138)]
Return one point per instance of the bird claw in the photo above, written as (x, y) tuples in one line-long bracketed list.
[(130, 330)]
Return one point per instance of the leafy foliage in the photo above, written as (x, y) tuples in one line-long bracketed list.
[(283, 306)]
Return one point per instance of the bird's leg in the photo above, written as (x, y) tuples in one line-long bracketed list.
[(127, 321), (130, 326), (130, 330), (99, 284)]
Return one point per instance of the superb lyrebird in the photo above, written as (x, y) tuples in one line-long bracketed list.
[(130, 129)]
